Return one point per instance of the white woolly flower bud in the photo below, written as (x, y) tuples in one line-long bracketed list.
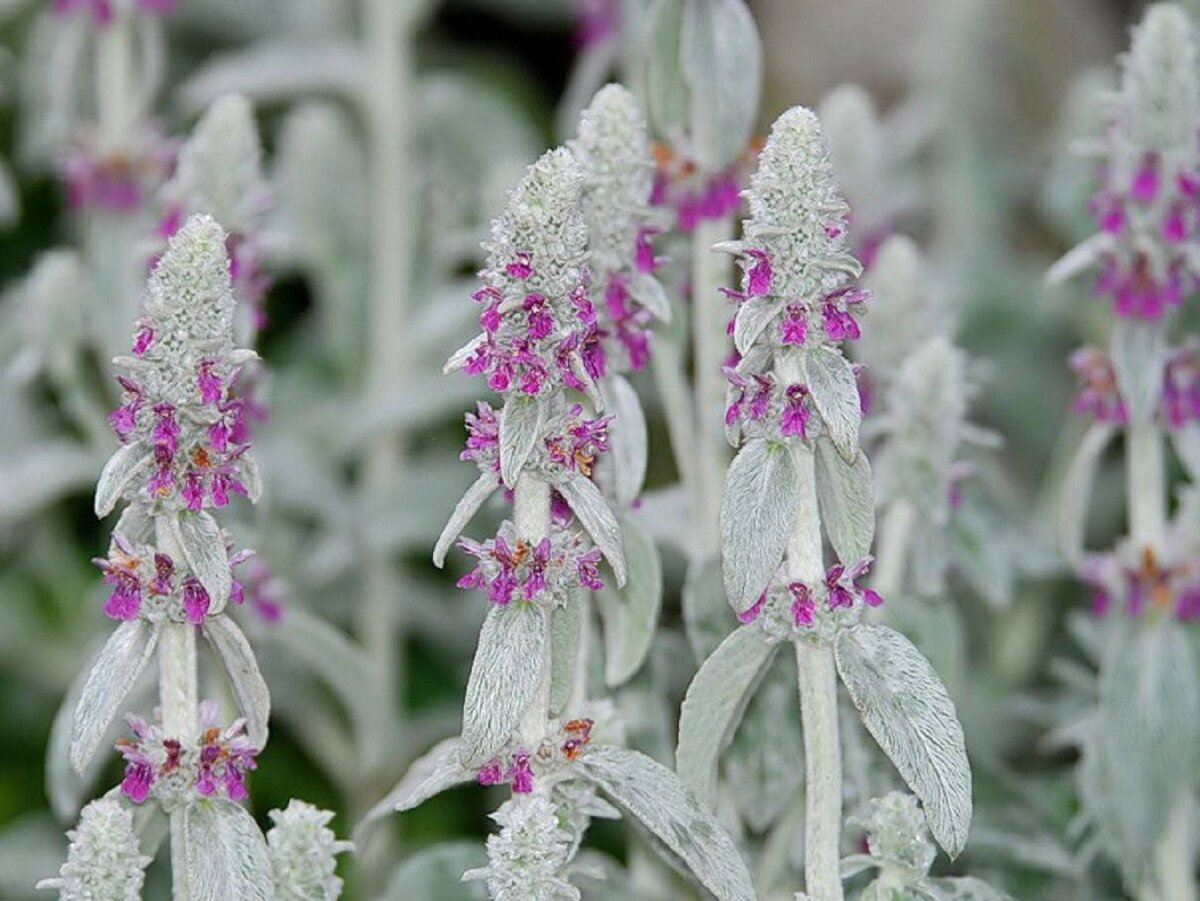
[(527, 857), (855, 140), (897, 834), (614, 152), (926, 409), (1161, 88), (304, 853), (103, 859), (904, 312), (220, 167)]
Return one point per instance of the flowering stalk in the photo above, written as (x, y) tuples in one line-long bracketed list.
[(1146, 213)]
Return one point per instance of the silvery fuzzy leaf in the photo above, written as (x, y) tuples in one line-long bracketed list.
[(846, 500), (252, 478), (706, 614), (714, 705), (1139, 352), (199, 538), (626, 440), (654, 796), (752, 319), (649, 292), (588, 504), (459, 358), (721, 59), (467, 506), (835, 395), (224, 854), (962, 888), (1187, 446), (667, 98), (435, 771), (1149, 735), (247, 682), (631, 614), (764, 765), (520, 427), (41, 474), (504, 679), (1077, 486), (566, 634), (435, 874), (906, 709), (757, 513), (122, 467), (1080, 258), (112, 676)]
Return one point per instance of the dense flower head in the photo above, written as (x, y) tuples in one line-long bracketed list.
[(148, 584), (539, 323), (905, 311), (1100, 397), (304, 853), (1140, 584), (528, 857), (103, 857), (897, 833), (177, 404), (1148, 206), (570, 441), (514, 569), (760, 404), (521, 766), (794, 608), (177, 770)]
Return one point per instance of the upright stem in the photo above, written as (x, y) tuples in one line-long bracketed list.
[(709, 272), (894, 533), (177, 700), (115, 83), (1174, 877), (818, 707), (531, 517)]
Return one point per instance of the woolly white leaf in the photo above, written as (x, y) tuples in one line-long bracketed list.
[(721, 56), (654, 796), (251, 478), (631, 615), (566, 633), (467, 506), (649, 292), (666, 93), (626, 440), (1080, 258), (846, 501), (714, 705), (835, 395), (706, 614), (752, 318), (118, 472), (224, 854), (1149, 733), (1187, 445), (906, 708), (1138, 355), (113, 673), (200, 540), (433, 772), (520, 426), (244, 677), (587, 503), (434, 873), (459, 358), (757, 513), (1076, 491), (504, 679)]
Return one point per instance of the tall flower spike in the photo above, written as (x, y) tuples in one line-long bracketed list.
[(529, 855), (103, 858), (304, 853), (1148, 207)]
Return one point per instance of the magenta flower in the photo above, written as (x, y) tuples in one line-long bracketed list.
[(509, 567)]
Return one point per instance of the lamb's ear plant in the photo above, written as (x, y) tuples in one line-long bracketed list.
[(170, 567), (1137, 775), (523, 724), (798, 478)]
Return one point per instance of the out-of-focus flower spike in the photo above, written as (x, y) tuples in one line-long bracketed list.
[(304, 853)]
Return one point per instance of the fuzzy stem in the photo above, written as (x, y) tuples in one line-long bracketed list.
[(1173, 856), (531, 518), (115, 82), (818, 707), (671, 381), (177, 701), (894, 534), (709, 272)]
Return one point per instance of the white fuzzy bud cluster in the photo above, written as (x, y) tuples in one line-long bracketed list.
[(526, 859), (897, 834), (925, 412), (304, 853), (856, 142), (103, 859), (614, 153), (905, 311), (220, 166), (1161, 85)]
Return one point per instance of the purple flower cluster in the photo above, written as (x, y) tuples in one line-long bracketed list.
[(570, 441), (758, 404), (116, 181), (513, 569), (175, 769), (520, 767), (1099, 395), (103, 12), (1147, 586), (693, 195), (838, 591)]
